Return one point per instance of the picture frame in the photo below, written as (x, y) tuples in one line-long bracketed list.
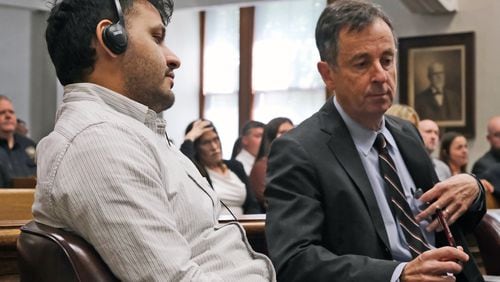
[(437, 79)]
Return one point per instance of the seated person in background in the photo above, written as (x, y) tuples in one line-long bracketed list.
[(429, 130), (454, 152), (249, 142), (108, 172), (492, 175), (405, 112), (491, 157), (227, 177), (339, 185), (273, 129), (17, 153)]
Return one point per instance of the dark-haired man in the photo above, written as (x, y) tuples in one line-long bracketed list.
[(251, 136), (346, 187), (488, 166), (108, 171)]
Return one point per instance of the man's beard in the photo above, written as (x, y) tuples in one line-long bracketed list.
[(156, 99)]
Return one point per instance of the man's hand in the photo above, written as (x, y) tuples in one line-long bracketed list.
[(487, 186), (199, 127), (454, 196), (435, 265)]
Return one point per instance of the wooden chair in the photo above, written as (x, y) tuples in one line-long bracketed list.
[(488, 239)]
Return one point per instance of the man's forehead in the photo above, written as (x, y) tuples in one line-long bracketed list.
[(354, 42), (5, 103), (255, 130)]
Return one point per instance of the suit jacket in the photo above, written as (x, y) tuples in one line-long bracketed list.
[(323, 221), (428, 108), (488, 160)]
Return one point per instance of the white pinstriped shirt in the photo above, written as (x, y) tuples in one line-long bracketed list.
[(108, 173)]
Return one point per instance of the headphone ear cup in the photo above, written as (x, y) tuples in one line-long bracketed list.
[(115, 38)]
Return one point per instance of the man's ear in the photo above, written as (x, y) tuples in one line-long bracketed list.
[(103, 24), (326, 74), (244, 140)]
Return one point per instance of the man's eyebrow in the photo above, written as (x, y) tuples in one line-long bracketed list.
[(161, 28), (390, 52), (359, 56)]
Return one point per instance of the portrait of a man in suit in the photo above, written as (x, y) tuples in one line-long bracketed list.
[(437, 101)]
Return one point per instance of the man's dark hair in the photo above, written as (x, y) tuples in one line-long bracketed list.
[(352, 14), (250, 125), (71, 28)]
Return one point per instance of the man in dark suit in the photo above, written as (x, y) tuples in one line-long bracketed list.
[(488, 166), (491, 157), (329, 217), (438, 102)]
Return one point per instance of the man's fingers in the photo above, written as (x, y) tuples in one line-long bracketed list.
[(435, 265)]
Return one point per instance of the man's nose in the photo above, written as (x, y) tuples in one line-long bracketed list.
[(173, 62), (379, 74)]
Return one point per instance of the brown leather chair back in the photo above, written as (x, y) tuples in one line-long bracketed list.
[(52, 254), (488, 240)]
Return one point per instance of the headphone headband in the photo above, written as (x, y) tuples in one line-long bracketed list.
[(114, 35), (120, 13)]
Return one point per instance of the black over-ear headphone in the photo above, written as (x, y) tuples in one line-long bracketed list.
[(114, 35)]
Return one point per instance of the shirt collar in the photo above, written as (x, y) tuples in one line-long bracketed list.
[(116, 101), (363, 138)]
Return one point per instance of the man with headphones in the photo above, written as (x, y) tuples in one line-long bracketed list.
[(108, 172)]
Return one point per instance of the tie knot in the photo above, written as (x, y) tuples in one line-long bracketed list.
[(380, 142)]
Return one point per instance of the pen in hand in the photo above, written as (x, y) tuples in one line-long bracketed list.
[(446, 228), (441, 219)]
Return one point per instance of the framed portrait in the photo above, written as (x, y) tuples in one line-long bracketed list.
[(436, 78)]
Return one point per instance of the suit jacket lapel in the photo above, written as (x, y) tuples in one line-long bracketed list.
[(344, 150), (421, 168)]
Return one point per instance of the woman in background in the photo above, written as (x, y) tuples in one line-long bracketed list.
[(227, 177), (273, 129), (454, 152)]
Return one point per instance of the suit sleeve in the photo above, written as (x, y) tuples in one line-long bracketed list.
[(295, 222)]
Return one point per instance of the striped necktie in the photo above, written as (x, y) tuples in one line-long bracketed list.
[(397, 200)]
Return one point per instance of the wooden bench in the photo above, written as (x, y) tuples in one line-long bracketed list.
[(15, 211)]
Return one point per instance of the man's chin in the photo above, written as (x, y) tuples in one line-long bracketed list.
[(167, 102), (170, 101)]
